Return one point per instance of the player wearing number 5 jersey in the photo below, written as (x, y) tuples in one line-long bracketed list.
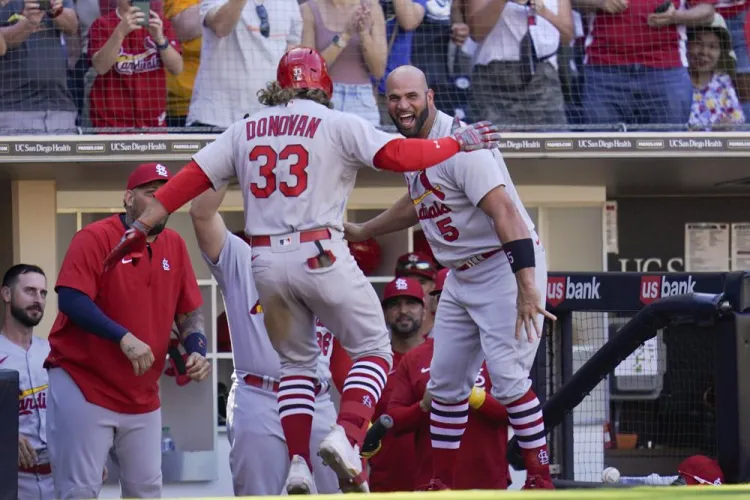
[(297, 162), (477, 226), (258, 457)]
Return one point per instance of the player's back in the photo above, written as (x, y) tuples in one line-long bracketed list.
[(293, 171)]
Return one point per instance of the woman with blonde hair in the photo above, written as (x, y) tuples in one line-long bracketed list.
[(712, 70)]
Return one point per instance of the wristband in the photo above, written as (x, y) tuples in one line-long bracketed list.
[(163, 46), (196, 342), (477, 397), (520, 254)]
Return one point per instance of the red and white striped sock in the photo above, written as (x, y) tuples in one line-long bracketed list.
[(362, 389), (296, 401), (447, 425), (526, 419)]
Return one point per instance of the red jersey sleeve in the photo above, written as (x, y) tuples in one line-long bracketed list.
[(99, 33), (403, 406), (341, 363), (83, 264), (170, 34), (190, 297)]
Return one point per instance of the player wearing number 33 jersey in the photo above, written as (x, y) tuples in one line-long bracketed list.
[(492, 303), (297, 162)]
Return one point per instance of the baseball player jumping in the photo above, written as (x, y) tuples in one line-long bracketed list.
[(24, 294), (297, 162), (258, 456), (492, 304)]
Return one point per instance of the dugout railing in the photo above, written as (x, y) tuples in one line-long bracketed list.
[(693, 399)]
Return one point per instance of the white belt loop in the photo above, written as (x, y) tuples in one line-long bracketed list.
[(268, 383)]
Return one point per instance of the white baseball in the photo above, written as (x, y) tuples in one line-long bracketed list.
[(610, 475)]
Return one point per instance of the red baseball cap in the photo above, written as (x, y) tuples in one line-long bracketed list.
[(403, 287), (148, 172), (416, 264), (701, 470), (440, 281)]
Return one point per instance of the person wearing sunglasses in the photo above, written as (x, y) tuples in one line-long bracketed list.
[(421, 267), (243, 41)]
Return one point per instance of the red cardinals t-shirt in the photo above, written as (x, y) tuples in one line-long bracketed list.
[(481, 457), (626, 38), (394, 467), (133, 93), (144, 298)]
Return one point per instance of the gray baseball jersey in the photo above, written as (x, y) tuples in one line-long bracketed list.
[(297, 165), (251, 348), (32, 398), (446, 198)]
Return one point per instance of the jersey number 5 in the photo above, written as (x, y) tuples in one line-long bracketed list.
[(447, 230), (271, 159)]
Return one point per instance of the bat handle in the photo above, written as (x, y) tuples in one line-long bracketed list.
[(376, 433)]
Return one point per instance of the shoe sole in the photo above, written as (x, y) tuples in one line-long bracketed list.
[(346, 475), (297, 489)]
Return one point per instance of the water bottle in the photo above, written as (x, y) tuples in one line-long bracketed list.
[(167, 443)]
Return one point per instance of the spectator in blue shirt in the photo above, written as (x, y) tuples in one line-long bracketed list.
[(402, 17)]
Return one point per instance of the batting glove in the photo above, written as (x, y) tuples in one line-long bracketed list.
[(132, 245), (481, 135)]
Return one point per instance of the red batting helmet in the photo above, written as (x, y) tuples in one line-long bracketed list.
[(304, 68), (367, 254)]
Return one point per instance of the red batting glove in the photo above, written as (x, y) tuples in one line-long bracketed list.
[(481, 135), (132, 244)]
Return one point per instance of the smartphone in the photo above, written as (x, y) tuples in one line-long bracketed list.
[(663, 7), (45, 5), (145, 7)]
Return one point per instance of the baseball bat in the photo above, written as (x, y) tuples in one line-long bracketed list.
[(376, 433)]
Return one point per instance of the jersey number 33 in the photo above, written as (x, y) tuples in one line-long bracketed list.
[(294, 155)]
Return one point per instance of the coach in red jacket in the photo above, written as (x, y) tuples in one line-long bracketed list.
[(108, 347)]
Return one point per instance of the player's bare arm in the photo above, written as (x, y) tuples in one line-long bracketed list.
[(519, 248), (191, 327), (210, 230), (401, 215)]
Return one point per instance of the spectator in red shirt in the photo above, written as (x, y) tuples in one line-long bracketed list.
[(636, 66), (130, 90), (481, 461), (393, 468)]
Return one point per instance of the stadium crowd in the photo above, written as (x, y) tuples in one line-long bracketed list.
[(72, 66)]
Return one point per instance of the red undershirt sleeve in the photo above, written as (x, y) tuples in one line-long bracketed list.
[(411, 155), (183, 187)]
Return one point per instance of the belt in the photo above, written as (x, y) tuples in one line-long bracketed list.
[(268, 384), (476, 259), (304, 237), (41, 469)]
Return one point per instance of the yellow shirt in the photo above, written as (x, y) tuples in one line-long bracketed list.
[(180, 87)]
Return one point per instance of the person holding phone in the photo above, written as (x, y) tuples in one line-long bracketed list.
[(129, 48)]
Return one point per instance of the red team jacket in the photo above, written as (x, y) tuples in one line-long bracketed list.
[(143, 298), (481, 458)]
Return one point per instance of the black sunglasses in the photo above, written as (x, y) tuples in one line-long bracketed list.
[(265, 27), (414, 266)]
